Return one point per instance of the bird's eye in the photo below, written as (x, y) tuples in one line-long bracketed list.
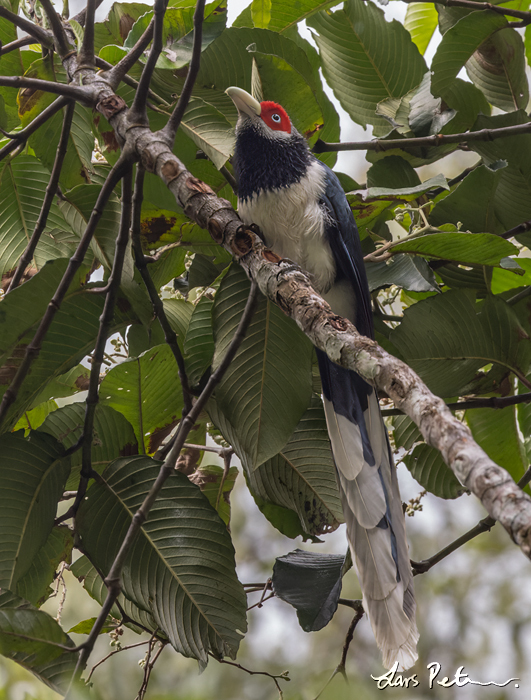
[(276, 118)]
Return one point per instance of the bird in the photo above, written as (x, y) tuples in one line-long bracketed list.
[(303, 214)]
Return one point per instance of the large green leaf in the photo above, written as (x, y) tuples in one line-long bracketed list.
[(498, 68), (92, 582), (113, 436), (428, 467), (199, 341), (77, 165), (23, 182), (283, 16), (302, 476), (147, 391), (512, 199), (11, 64), (77, 208), (35, 584), (363, 59), (267, 387), (310, 582), (217, 486), (472, 203), (421, 22), (209, 130), (181, 565), (457, 46), (447, 338), (71, 336), (405, 271), (496, 431), (33, 474), (466, 248)]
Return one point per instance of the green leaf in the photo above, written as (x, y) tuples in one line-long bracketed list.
[(392, 173), (33, 475), (35, 585), (209, 130), (71, 382), (421, 22), (92, 582), (77, 207), (147, 391), (284, 16), (472, 203), (429, 469), (77, 165), (407, 193), (71, 336), (503, 280), (181, 565), (405, 432), (457, 46), (261, 13), (169, 265), (447, 338), (217, 487), (178, 312), (302, 477), (112, 437), (311, 583), (85, 627), (407, 272), (466, 248), (199, 341), (31, 635), (11, 65), (362, 56), (267, 387), (23, 182), (496, 431), (118, 24), (498, 69), (31, 420), (512, 200)]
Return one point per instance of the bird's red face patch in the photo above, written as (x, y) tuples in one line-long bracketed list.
[(275, 117)]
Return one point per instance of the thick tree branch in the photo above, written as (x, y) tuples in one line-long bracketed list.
[(86, 53), (138, 111), (34, 347), (81, 16), (175, 120), (158, 307), (471, 5), (113, 579), (435, 140), (118, 72), (51, 191), (488, 402), (61, 42), (43, 36), (72, 91)]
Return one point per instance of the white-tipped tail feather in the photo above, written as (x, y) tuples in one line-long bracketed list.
[(376, 532)]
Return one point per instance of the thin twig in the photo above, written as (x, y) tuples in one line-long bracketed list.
[(113, 652), (118, 72), (113, 579), (471, 5), (128, 80), (34, 347), (20, 137), (261, 602), (138, 111), (521, 228), (158, 307), (43, 36), (484, 525), (86, 52), (281, 677), (51, 191), (227, 456), (17, 44), (435, 140), (148, 668), (487, 402), (174, 121), (75, 92), (340, 668), (61, 42)]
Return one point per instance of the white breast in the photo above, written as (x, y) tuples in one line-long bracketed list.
[(293, 225)]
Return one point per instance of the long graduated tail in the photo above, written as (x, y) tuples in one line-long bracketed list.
[(373, 510)]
